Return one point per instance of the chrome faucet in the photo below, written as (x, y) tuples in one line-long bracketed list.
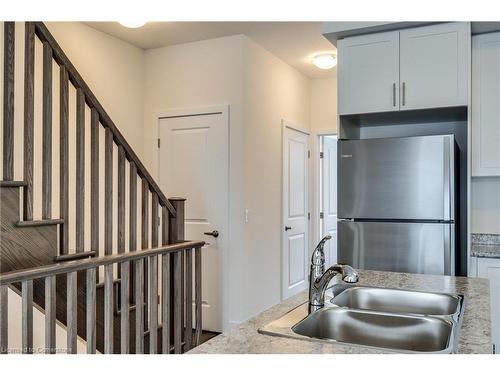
[(319, 278)]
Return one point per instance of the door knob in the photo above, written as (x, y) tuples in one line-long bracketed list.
[(287, 228), (214, 233)]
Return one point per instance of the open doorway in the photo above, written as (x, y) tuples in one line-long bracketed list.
[(328, 195)]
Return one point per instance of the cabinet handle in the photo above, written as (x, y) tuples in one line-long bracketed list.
[(404, 93), (394, 94)]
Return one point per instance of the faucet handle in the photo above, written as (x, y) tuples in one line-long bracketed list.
[(349, 274)]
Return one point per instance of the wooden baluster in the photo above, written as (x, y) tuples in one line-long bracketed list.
[(80, 170), (178, 310), (166, 293), (165, 304), (132, 223), (27, 316), (188, 335), (47, 132), (124, 308), (94, 181), (71, 312), (154, 220), (29, 108), (197, 283), (153, 304), (153, 277), (108, 193), (176, 235), (139, 310), (4, 319), (121, 199), (108, 309), (91, 311), (8, 100), (64, 165), (50, 314), (145, 242)]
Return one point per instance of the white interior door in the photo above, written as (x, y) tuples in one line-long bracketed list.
[(193, 163), (295, 254), (329, 196)]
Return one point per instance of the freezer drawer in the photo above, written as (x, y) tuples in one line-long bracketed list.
[(401, 247), (397, 178)]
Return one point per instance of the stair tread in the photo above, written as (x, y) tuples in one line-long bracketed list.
[(38, 223), (12, 183), (74, 256)]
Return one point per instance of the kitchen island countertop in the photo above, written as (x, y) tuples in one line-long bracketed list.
[(474, 334)]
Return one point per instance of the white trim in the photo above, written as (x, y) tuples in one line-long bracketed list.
[(293, 126), (301, 129), (316, 181), (223, 110)]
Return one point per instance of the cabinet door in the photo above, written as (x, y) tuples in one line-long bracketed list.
[(486, 105), (368, 73), (490, 269), (433, 66)]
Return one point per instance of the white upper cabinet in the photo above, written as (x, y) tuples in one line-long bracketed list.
[(433, 66), (486, 105), (368, 73), (424, 67)]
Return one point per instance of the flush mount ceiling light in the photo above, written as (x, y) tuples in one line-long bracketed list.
[(325, 61), (131, 24)]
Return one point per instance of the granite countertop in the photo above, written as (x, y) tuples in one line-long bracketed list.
[(474, 334), (485, 245)]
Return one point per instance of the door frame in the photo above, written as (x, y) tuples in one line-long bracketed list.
[(301, 129), (315, 219), (224, 111)]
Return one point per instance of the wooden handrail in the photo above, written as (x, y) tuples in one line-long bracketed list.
[(84, 264), (60, 57)]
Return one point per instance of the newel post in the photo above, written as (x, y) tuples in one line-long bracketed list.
[(176, 224)]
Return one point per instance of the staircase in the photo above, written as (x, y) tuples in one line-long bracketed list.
[(115, 269)]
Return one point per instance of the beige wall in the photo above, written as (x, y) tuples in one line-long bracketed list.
[(324, 104), (485, 202), (114, 71)]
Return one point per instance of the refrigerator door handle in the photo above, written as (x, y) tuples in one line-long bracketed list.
[(449, 253), (448, 172)]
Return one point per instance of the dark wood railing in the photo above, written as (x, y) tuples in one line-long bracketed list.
[(161, 231), (84, 98), (69, 270)]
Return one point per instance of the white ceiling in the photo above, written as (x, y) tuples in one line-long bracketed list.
[(293, 42)]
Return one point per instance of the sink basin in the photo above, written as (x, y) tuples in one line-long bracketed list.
[(391, 331), (391, 319), (398, 301)]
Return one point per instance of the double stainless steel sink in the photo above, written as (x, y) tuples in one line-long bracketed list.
[(392, 319)]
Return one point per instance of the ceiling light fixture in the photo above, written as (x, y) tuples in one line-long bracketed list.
[(325, 61), (132, 24)]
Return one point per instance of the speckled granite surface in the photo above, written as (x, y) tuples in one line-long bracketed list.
[(485, 245), (474, 335)]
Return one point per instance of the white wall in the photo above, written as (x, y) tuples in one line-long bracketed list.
[(261, 90), (485, 202), (193, 75), (324, 104), (272, 91)]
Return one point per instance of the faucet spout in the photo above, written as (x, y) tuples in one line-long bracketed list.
[(319, 278)]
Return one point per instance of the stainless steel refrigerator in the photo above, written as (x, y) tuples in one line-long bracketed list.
[(396, 204)]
